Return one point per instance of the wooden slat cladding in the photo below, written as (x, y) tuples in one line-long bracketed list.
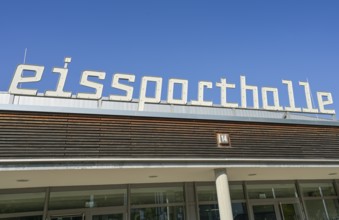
[(50, 135)]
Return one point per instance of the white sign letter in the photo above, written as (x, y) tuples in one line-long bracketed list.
[(85, 82), (143, 98), (184, 91), (309, 108), (129, 89), (59, 92), (276, 104), (244, 88), (223, 91), (323, 102), (200, 101), (19, 78), (290, 96)]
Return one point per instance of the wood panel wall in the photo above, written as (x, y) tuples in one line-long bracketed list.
[(49, 135)]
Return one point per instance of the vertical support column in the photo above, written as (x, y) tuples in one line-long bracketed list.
[(223, 192), (190, 202)]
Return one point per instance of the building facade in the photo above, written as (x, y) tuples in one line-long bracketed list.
[(70, 159)]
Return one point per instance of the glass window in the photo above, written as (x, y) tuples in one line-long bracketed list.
[(23, 202), (158, 213), (87, 199), (327, 189), (157, 195), (332, 207), (284, 190), (237, 192), (266, 191), (239, 211), (207, 193), (260, 191), (264, 212), (290, 211), (315, 209), (211, 212), (316, 189)]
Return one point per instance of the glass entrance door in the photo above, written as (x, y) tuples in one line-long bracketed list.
[(276, 211)]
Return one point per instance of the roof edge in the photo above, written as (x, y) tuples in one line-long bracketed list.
[(71, 110)]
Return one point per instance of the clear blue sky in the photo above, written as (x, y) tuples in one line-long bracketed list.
[(265, 40)]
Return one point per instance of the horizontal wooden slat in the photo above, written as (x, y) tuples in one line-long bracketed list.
[(51, 135)]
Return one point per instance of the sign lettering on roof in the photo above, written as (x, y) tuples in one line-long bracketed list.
[(121, 82)]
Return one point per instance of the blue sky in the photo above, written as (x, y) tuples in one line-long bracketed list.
[(264, 40)]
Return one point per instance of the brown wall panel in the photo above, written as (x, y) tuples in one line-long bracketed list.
[(50, 135)]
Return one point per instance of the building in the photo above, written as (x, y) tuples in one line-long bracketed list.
[(72, 159)]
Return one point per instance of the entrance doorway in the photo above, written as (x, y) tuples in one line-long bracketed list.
[(276, 211)]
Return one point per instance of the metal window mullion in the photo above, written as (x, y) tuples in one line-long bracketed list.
[(156, 205), (301, 199), (47, 193), (186, 201), (21, 214), (335, 185), (208, 203), (238, 201), (23, 190), (281, 211), (64, 212), (196, 199), (69, 214), (128, 214), (323, 201)]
